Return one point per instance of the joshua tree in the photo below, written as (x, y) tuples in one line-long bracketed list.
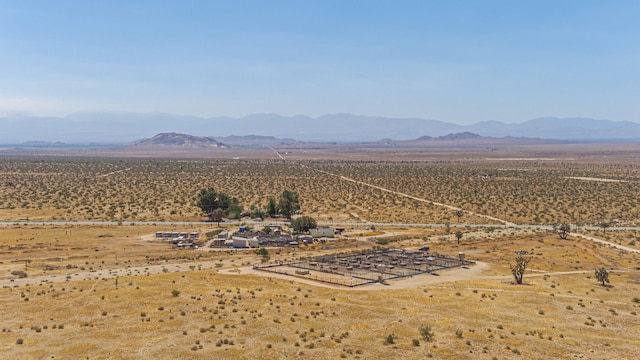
[(604, 225), (602, 275), (458, 236), (459, 213), (518, 269), (563, 230)]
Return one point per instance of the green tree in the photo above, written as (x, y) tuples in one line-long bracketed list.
[(288, 203), (272, 207), (303, 224), (602, 275), (519, 268), (217, 215), (235, 210), (209, 200), (258, 213), (264, 254)]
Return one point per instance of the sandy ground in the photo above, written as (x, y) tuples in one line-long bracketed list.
[(412, 282), (456, 274), (473, 272), (622, 247), (593, 179)]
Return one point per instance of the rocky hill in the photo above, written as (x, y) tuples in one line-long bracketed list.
[(176, 140)]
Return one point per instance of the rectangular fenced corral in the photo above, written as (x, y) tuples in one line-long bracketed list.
[(366, 267)]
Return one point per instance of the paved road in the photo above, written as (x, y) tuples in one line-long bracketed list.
[(322, 223)]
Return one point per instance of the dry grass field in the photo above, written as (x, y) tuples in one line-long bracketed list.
[(112, 292), (561, 311)]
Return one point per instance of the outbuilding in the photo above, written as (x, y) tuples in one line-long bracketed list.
[(322, 232), (239, 243)]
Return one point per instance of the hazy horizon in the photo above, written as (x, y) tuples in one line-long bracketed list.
[(123, 127), (459, 62), (89, 113)]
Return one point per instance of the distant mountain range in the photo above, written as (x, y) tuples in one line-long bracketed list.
[(182, 142), (124, 127)]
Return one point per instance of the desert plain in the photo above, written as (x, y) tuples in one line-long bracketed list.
[(83, 275)]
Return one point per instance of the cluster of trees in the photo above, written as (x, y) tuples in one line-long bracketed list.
[(218, 205), (287, 205)]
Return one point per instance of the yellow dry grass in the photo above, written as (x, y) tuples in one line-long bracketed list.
[(561, 312)]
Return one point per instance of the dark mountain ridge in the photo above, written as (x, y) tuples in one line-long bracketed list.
[(178, 141)]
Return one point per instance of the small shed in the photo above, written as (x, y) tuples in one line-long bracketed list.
[(253, 243), (217, 243)]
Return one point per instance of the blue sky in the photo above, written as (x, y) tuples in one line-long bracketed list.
[(457, 61)]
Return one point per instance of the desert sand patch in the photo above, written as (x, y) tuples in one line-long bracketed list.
[(593, 179)]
